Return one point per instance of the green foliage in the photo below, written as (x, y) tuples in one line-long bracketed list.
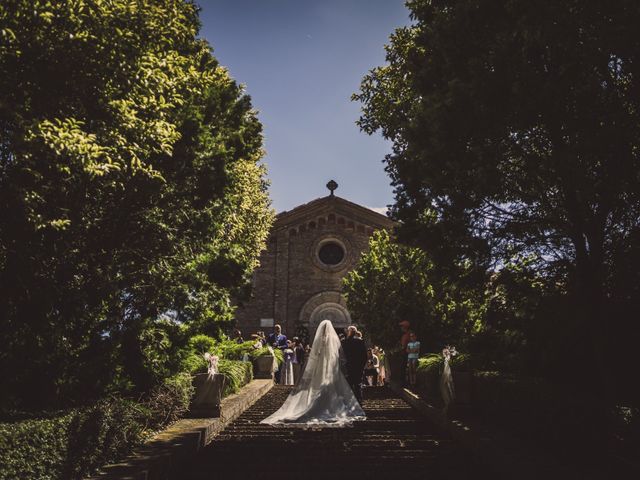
[(159, 344), (202, 343), (431, 363), (194, 363), (231, 350), (170, 400), (554, 415), (392, 282), (519, 137), (72, 445), (33, 448), (133, 205), (434, 362), (237, 375), (276, 352)]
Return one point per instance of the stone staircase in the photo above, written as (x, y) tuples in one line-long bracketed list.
[(394, 442)]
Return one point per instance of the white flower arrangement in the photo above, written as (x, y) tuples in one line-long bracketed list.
[(448, 352), (447, 389), (212, 362)]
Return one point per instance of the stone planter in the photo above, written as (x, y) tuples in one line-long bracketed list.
[(462, 382), (208, 395), (397, 367), (263, 366), (429, 383)]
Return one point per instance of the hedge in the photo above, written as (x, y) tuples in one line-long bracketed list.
[(75, 443), (237, 375)]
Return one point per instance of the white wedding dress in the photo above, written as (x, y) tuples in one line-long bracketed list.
[(323, 396)]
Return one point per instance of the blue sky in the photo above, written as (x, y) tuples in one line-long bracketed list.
[(301, 61)]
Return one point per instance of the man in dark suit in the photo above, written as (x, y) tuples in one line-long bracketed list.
[(355, 353), (277, 339)]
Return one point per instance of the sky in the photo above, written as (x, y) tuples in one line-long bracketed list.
[(300, 62)]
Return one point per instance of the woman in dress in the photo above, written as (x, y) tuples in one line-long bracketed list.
[(323, 396), (298, 359), (286, 374), (372, 368)]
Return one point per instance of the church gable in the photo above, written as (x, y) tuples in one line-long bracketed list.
[(331, 211), (310, 250)]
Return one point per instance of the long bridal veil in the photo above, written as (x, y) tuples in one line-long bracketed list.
[(323, 395)]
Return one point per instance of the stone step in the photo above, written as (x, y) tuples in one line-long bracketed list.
[(393, 442)]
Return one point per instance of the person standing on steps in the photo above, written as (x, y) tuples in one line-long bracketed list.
[(355, 353), (413, 353), (298, 359), (277, 340), (405, 327), (286, 374), (372, 368), (237, 336)]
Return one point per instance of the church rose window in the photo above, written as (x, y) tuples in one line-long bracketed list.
[(331, 253)]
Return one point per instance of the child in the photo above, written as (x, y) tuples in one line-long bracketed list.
[(413, 352)]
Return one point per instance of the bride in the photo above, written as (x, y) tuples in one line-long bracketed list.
[(323, 396)]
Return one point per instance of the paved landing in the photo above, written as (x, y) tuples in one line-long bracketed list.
[(394, 442)]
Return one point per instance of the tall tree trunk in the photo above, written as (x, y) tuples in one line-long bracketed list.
[(590, 306)]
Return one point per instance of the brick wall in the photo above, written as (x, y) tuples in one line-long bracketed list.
[(290, 272)]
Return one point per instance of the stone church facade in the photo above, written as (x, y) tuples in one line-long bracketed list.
[(309, 251)]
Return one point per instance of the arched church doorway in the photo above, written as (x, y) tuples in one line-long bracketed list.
[(328, 305)]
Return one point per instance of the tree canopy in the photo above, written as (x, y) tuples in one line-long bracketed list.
[(394, 282), (131, 189), (515, 129)]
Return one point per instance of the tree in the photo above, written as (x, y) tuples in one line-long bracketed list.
[(393, 282), (515, 127), (130, 190)]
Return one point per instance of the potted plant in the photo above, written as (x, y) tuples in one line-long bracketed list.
[(265, 361), (208, 390)]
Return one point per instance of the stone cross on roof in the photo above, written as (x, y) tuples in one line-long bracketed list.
[(332, 185)]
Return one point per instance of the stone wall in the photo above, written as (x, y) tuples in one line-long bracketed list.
[(292, 285)]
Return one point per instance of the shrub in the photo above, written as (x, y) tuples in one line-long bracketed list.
[(433, 363), (194, 363), (237, 375), (276, 352), (170, 400), (232, 350), (554, 416), (201, 344), (34, 448), (73, 444), (102, 433)]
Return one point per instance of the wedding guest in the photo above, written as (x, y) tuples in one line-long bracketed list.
[(286, 371), (237, 336), (378, 352), (355, 354), (372, 368), (298, 359), (413, 353), (257, 341), (277, 340), (405, 327)]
